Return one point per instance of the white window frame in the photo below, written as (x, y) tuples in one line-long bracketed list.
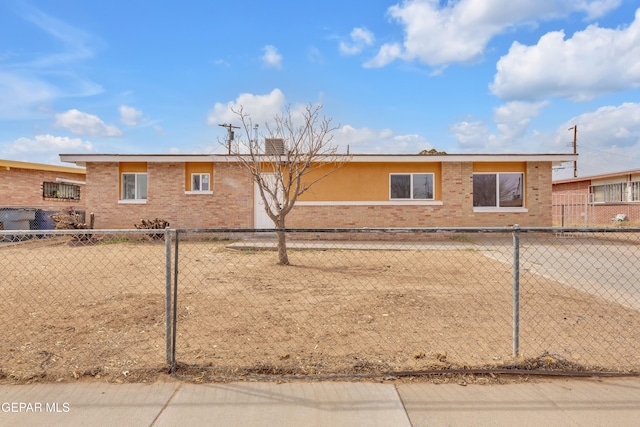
[(635, 191), (497, 207), (411, 195), (201, 174), (616, 192), (137, 186)]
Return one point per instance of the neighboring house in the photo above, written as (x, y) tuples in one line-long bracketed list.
[(214, 191), (599, 200), (39, 189)]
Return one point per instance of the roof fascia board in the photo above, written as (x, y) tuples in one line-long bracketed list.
[(82, 159), (596, 177), (9, 164)]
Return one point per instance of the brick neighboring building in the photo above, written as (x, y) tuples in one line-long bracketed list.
[(213, 191), (599, 200), (42, 188)]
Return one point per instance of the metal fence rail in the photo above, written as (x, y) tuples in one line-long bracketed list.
[(352, 302)]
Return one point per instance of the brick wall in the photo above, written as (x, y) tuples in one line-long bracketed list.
[(605, 212), (229, 206), (455, 211), (580, 187), (23, 188), (600, 214)]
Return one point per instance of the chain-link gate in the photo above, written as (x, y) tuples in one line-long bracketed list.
[(573, 210)]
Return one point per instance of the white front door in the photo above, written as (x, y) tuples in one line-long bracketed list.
[(260, 217)]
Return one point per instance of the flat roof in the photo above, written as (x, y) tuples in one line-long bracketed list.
[(592, 177), (83, 159), (9, 164)]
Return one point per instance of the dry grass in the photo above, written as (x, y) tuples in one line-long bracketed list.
[(98, 311)]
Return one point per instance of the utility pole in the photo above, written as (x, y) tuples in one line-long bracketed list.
[(575, 149), (230, 135)]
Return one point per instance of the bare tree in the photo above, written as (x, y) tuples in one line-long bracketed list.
[(297, 152)]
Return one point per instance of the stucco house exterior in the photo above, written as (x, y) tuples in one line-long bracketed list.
[(598, 200), (37, 190), (214, 191)]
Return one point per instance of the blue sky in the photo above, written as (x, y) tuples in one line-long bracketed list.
[(466, 76)]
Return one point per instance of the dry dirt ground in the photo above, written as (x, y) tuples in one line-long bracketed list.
[(97, 312)]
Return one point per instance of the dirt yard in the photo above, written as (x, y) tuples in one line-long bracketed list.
[(97, 311)]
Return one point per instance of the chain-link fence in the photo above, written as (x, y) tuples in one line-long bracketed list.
[(18, 218), (351, 302), (81, 303)]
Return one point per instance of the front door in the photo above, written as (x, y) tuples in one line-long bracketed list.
[(260, 217)]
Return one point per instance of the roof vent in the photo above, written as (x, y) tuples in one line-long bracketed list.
[(274, 146)]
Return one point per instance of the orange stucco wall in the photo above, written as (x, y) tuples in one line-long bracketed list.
[(196, 167), (366, 181), (500, 167)]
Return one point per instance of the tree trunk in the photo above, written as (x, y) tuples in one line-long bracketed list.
[(283, 258)]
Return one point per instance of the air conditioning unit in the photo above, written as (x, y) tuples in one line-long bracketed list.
[(274, 146)]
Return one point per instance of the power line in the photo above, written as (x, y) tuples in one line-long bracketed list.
[(230, 133), (607, 152)]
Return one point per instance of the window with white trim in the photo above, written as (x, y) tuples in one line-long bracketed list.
[(200, 182), (498, 190), (134, 186), (609, 193), (616, 192), (411, 186)]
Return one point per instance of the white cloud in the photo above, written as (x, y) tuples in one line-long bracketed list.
[(513, 119), (471, 136), (512, 122), (271, 57), (80, 123), (593, 62), (387, 54), (360, 38), (609, 126), (608, 140), (21, 95), (129, 116), (160, 130), (596, 9), (459, 31), (314, 55), (222, 63), (262, 108), (367, 141), (49, 143)]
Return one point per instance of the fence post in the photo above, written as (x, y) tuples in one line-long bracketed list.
[(175, 303), (516, 290), (167, 250)]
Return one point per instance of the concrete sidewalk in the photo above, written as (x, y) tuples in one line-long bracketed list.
[(555, 402)]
